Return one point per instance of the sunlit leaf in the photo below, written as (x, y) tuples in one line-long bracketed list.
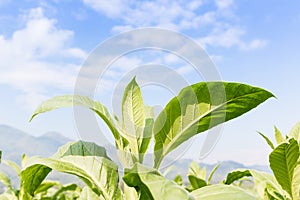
[(200, 107), (283, 161)]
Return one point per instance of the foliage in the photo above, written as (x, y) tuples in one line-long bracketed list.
[(196, 109)]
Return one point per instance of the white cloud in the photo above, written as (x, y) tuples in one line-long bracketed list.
[(224, 4), (230, 37), (33, 59), (214, 24)]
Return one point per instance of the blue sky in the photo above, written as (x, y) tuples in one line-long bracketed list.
[(44, 43)]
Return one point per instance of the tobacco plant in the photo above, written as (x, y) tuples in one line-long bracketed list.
[(195, 109)]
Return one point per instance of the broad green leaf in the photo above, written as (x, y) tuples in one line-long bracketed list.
[(216, 167), (200, 107), (77, 100), (267, 140), (236, 175), (31, 178), (89, 194), (80, 148), (283, 160), (220, 191), (151, 185), (196, 176), (83, 159), (99, 173), (262, 179), (295, 132), (278, 136), (135, 124)]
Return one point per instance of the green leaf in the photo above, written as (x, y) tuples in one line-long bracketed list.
[(13, 165), (220, 191), (262, 179), (46, 185), (196, 176), (178, 180), (267, 140), (283, 160), (31, 178), (5, 180), (236, 175), (272, 194), (89, 194), (296, 182), (99, 173), (278, 136), (64, 190), (200, 107), (197, 171), (80, 148), (295, 132), (196, 182), (135, 124), (212, 173), (83, 159), (151, 185), (77, 100), (8, 195)]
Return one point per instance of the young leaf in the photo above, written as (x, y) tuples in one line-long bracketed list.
[(5, 180), (135, 124), (196, 176), (77, 100), (272, 194), (152, 186), (295, 132), (278, 136), (267, 140), (236, 175), (196, 182), (216, 167), (220, 191), (283, 160), (178, 180), (200, 107)]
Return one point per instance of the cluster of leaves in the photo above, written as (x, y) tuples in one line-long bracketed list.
[(196, 109)]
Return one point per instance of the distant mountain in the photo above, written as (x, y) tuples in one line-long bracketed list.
[(14, 143)]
